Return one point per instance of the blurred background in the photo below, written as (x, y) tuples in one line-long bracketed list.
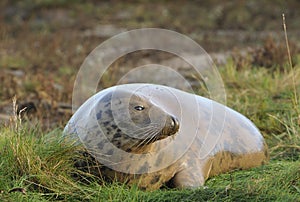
[(44, 42)]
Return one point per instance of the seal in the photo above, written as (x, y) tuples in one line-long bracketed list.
[(150, 135)]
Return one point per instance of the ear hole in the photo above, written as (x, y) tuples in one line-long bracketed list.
[(139, 108)]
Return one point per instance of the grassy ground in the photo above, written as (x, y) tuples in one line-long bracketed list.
[(41, 53)]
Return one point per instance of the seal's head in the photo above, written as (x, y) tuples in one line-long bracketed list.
[(132, 122)]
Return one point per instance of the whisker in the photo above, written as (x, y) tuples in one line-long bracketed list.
[(153, 138), (146, 140), (152, 126), (146, 131)]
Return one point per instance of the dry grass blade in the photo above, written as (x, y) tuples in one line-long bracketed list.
[(290, 64), (18, 189)]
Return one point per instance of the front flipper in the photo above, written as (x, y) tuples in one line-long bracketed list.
[(190, 176)]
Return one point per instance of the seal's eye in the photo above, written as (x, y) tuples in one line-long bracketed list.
[(139, 108)]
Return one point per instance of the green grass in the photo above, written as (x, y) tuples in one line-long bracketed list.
[(43, 163)]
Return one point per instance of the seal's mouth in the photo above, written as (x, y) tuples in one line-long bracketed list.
[(170, 129)]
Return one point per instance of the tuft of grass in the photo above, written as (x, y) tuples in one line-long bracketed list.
[(34, 161)]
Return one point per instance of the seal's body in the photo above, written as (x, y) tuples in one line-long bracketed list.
[(151, 134)]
